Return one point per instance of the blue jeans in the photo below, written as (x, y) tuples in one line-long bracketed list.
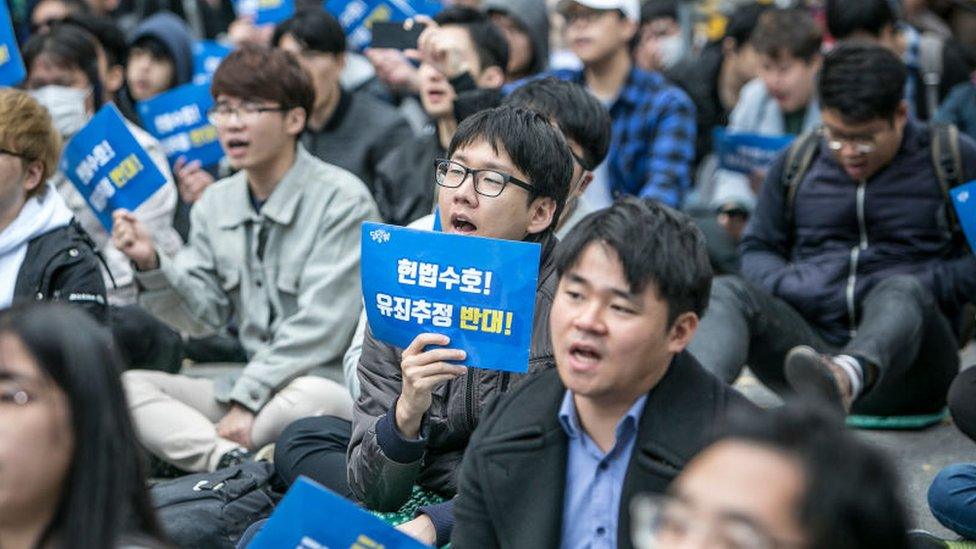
[(952, 499)]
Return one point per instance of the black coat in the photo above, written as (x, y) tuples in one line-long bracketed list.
[(512, 480), (62, 265)]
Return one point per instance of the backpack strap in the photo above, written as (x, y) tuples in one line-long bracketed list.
[(947, 162), (798, 159)]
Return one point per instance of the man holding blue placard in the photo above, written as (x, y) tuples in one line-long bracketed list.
[(556, 461), (278, 244), (507, 176)]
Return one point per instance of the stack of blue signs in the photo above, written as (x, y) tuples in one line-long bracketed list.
[(178, 119), (109, 167), (265, 12), (748, 153), (356, 16)]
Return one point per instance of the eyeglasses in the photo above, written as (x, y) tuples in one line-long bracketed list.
[(861, 145), (488, 183), (12, 153), (246, 112), (660, 522)]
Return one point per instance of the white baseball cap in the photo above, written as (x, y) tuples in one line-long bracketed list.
[(630, 8)]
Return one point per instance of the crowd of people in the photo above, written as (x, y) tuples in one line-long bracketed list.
[(839, 273)]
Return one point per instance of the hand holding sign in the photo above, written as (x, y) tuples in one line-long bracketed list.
[(133, 239), (191, 179), (423, 370)]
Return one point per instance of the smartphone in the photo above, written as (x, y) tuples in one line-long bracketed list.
[(387, 34)]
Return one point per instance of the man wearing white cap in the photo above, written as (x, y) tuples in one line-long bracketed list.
[(653, 121)]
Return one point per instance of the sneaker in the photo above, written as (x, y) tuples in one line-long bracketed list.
[(812, 374), (922, 539), (234, 457)]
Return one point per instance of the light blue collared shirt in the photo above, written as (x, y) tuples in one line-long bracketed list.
[(594, 480)]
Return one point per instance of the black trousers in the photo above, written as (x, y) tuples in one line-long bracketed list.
[(962, 402), (316, 448)]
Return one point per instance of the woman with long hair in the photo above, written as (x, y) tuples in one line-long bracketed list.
[(70, 471)]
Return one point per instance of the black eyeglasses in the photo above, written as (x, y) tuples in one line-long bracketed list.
[(12, 153), (490, 183)]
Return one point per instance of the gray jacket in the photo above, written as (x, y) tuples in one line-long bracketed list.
[(291, 272), (383, 482)]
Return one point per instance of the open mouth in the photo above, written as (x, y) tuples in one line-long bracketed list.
[(585, 353), (236, 147), (462, 224), (436, 96)]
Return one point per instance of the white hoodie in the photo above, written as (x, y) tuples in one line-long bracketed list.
[(38, 216)]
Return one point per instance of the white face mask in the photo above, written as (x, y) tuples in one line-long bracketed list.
[(671, 50), (67, 107)]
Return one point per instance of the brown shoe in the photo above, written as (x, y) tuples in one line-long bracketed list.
[(816, 375)]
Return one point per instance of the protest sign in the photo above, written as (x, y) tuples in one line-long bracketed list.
[(480, 292), (357, 16), (109, 167), (747, 152), (265, 11), (178, 118), (312, 517), (12, 70), (207, 55), (964, 200)]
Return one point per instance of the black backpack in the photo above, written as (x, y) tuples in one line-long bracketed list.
[(212, 510)]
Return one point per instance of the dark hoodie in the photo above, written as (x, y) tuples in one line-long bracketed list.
[(533, 17), (175, 35)]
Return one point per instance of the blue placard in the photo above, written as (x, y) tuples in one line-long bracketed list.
[(109, 167), (357, 16), (480, 292), (748, 152), (265, 12), (12, 70), (964, 200), (207, 55), (178, 118), (312, 517)]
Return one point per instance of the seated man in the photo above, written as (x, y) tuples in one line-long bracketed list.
[(787, 478), (653, 143), (853, 256), (44, 253), (277, 243), (402, 435), (350, 129), (462, 69), (627, 406)]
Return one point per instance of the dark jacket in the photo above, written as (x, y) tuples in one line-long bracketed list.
[(383, 466), (513, 478), (404, 181), (698, 77), (959, 108), (846, 236), (533, 17), (360, 133), (61, 265)]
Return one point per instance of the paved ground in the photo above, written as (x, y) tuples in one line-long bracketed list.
[(919, 455)]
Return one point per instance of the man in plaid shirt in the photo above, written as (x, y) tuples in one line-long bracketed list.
[(653, 142)]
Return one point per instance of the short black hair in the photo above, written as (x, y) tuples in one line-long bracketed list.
[(69, 46), (536, 148), (313, 29), (659, 9), (851, 497), (790, 31), (155, 47), (742, 23), (107, 32), (576, 111), (489, 42), (845, 18), (862, 82), (656, 245)]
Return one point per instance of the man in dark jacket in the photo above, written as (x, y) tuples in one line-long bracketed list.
[(44, 254), (857, 259), (626, 408), (417, 408)]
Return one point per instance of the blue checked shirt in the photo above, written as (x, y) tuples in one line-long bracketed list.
[(653, 142)]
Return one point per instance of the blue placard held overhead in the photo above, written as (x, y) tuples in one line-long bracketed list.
[(747, 152), (357, 16), (312, 517), (12, 70), (265, 11), (109, 167), (480, 292), (178, 118), (964, 200), (207, 55)]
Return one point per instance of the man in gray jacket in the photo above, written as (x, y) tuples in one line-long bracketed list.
[(507, 176), (278, 243)]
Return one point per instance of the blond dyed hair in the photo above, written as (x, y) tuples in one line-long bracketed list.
[(26, 129)]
